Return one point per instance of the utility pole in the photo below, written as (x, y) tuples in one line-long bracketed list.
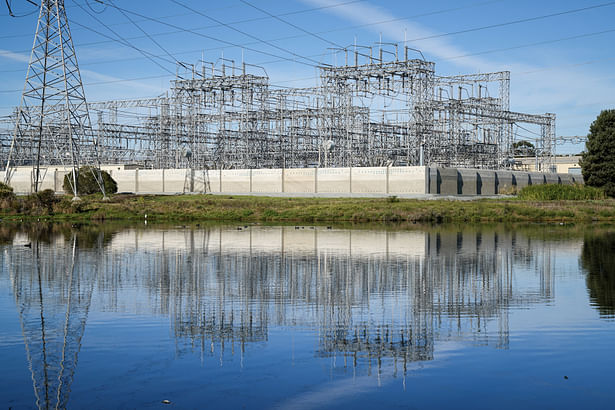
[(53, 124)]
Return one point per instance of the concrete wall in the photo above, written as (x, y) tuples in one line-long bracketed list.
[(407, 180), (368, 180), (300, 180), (453, 181), (126, 180), (267, 180), (333, 181)]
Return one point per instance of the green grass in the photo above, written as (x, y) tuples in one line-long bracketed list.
[(196, 208), (555, 192)]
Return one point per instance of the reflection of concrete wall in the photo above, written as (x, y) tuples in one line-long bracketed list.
[(290, 239)]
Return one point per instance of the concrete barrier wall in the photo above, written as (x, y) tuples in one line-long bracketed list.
[(368, 180), (150, 180), (126, 180), (266, 180), (486, 182), (448, 181), (453, 181), (300, 180), (407, 180), (469, 182), (235, 180), (173, 180), (334, 181), (504, 182)]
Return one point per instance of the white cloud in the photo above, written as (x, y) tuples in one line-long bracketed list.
[(22, 58), (112, 88)]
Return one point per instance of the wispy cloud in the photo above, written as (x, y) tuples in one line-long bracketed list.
[(104, 86), (393, 28), (9, 55)]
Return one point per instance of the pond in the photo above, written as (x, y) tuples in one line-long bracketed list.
[(304, 317)]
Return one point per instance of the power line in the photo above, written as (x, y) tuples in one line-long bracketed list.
[(285, 59), (245, 33), (308, 10), (145, 32), (182, 30), (509, 23), (10, 10), (121, 39), (596, 33), (291, 24), (211, 37)]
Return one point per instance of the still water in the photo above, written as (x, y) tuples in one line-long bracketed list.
[(307, 317)]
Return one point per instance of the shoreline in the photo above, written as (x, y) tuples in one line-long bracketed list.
[(235, 208)]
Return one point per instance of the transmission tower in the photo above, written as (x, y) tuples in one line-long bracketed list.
[(53, 123)]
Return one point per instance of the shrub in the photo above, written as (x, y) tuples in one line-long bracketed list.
[(87, 183), (6, 191), (40, 202), (555, 192)]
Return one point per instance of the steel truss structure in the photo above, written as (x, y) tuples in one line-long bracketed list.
[(52, 124), (372, 111)]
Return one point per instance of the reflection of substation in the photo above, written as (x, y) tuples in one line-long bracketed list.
[(53, 290), (370, 295)]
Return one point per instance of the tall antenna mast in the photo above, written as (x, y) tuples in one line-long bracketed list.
[(53, 123)]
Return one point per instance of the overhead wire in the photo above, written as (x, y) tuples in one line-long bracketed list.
[(539, 43), (120, 38), (214, 38), (146, 34), (10, 10), (467, 55), (229, 26), (281, 15), (291, 24), (329, 6), (509, 23)]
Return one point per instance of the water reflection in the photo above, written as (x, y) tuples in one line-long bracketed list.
[(598, 259), (369, 296), (52, 292)]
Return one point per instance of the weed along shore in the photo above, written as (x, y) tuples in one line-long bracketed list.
[(546, 204)]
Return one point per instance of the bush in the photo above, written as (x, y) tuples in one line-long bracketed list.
[(556, 192), (86, 182), (6, 191), (40, 203)]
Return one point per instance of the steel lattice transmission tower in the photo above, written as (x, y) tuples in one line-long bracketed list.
[(53, 123)]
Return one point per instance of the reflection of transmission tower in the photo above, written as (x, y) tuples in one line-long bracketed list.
[(53, 123), (53, 308)]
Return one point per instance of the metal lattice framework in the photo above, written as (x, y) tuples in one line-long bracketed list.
[(52, 124), (369, 112)]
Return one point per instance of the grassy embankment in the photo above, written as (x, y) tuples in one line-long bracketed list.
[(534, 204)]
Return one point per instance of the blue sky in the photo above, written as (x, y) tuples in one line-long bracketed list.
[(561, 58)]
